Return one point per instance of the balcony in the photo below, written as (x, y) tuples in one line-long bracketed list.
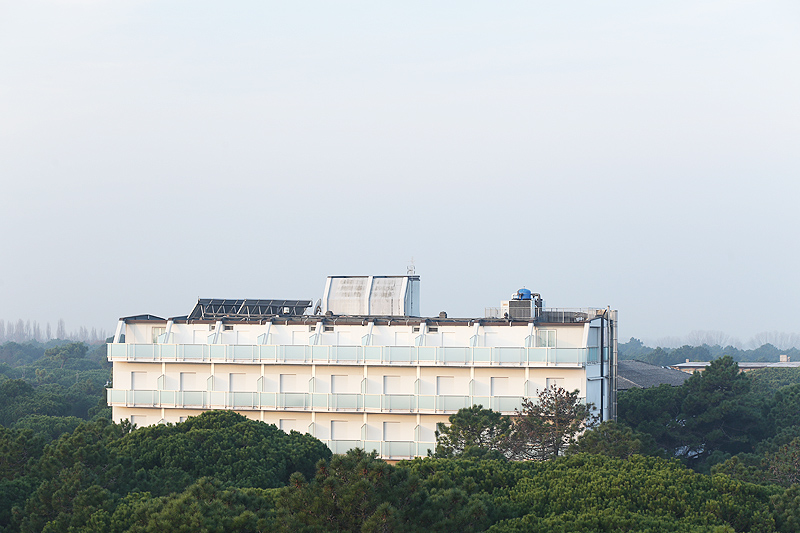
[(309, 401), (350, 355)]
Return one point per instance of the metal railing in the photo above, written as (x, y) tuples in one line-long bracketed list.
[(310, 401), (379, 355)]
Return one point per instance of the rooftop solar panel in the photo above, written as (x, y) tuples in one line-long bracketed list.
[(214, 309)]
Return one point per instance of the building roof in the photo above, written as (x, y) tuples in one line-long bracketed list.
[(743, 365), (633, 374)]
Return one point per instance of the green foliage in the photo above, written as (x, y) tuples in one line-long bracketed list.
[(15, 354), (473, 428), (42, 387), (710, 417), (596, 493), (615, 440), (717, 414), (357, 492), (352, 492), (220, 444), (66, 352), (544, 429), (79, 478), (766, 381), (206, 505), (48, 427), (784, 465)]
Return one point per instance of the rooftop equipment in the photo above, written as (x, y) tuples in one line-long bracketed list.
[(215, 309), (371, 295), (523, 304)]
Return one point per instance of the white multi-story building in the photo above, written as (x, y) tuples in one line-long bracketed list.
[(359, 368)]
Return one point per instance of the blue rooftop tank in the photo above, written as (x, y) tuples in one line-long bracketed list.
[(524, 294)]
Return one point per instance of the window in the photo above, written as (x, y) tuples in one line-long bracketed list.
[(138, 380), (236, 382), (445, 385), (338, 429), (287, 424), (227, 328), (288, 383), (392, 431), (157, 332), (391, 385), (546, 338), (433, 329), (188, 381), (499, 386), (338, 384), (327, 328)]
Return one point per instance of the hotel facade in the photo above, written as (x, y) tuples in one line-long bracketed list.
[(360, 368)]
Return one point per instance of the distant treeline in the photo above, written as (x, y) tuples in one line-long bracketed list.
[(634, 349), (27, 330), (59, 378)]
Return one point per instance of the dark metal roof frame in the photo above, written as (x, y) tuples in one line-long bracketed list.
[(217, 309)]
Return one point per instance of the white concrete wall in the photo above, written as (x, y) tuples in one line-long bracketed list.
[(568, 335), (318, 378)]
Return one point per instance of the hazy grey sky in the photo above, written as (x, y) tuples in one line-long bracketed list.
[(642, 155)]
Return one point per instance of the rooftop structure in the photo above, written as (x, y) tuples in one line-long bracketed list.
[(639, 375), (690, 367), (359, 368)]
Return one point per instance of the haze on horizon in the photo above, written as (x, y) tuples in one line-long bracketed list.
[(640, 156)]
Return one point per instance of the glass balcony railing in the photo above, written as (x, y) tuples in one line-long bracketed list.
[(309, 401), (400, 355)]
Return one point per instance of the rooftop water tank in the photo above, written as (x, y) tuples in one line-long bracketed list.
[(523, 294)]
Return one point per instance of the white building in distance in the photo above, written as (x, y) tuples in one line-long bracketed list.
[(360, 368)]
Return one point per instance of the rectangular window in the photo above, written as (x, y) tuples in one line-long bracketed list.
[(338, 384), (287, 424), (445, 385), (327, 328), (138, 380), (391, 385), (288, 383), (499, 386), (433, 329), (236, 382), (157, 332), (392, 431), (338, 429), (227, 328), (546, 338), (188, 381), (449, 339)]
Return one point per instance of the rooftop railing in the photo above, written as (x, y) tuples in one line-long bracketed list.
[(379, 355)]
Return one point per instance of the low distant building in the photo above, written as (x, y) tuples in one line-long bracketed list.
[(690, 367), (360, 368), (633, 374)]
